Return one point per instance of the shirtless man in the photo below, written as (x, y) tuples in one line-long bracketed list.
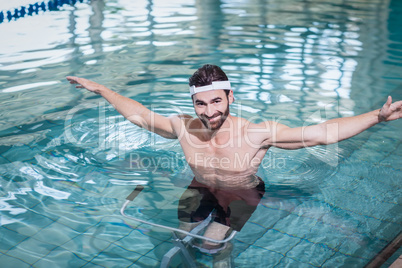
[(225, 151)]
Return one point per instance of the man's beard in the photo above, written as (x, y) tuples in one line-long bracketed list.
[(215, 125)]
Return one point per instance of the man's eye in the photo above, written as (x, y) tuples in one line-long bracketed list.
[(200, 104)]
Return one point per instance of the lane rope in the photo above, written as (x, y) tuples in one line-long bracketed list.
[(34, 9)]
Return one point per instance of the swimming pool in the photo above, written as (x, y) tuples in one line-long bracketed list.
[(68, 159)]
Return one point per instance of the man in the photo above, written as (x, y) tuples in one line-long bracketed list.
[(225, 151)]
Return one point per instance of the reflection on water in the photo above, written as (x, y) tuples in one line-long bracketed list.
[(297, 62)]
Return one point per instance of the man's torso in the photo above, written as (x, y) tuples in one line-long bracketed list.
[(229, 159)]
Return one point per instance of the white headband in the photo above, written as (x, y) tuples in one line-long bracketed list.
[(214, 86)]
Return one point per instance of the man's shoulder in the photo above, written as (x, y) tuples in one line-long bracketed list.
[(184, 116), (179, 117), (247, 124), (183, 119)]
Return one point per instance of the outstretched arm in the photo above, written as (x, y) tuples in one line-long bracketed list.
[(129, 108), (331, 131)]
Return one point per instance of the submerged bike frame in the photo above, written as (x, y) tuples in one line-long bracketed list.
[(180, 244)]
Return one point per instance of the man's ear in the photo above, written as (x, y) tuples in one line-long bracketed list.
[(231, 97)]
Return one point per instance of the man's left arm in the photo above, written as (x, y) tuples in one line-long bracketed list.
[(333, 130)]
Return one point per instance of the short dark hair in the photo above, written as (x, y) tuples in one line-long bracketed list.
[(207, 74)]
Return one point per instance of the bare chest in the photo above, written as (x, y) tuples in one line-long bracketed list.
[(230, 154)]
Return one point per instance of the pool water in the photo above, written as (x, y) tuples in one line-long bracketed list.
[(68, 159)]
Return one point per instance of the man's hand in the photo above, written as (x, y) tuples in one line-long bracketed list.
[(390, 111), (85, 83)]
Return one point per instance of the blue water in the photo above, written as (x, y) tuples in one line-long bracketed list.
[(68, 160)]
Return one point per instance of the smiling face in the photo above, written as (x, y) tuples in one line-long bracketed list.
[(212, 107)]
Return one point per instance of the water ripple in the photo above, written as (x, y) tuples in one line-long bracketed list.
[(303, 168)]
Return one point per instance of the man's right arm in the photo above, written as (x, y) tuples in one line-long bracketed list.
[(134, 111)]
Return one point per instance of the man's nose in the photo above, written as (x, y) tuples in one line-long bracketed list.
[(209, 111)]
